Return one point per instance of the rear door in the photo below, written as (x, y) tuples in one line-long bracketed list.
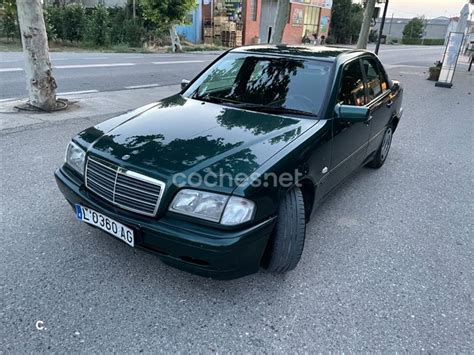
[(378, 100)]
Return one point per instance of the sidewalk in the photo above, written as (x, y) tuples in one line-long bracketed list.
[(92, 105)]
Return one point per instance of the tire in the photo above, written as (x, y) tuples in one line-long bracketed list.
[(384, 149), (286, 243)]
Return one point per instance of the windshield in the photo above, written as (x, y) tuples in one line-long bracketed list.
[(273, 84)]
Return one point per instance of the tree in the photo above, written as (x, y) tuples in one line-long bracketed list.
[(281, 19), (168, 14), (40, 81), (364, 28), (346, 19), (414, 28)]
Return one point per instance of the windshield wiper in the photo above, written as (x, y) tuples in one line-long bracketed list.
[(215, 99), (275, 109)]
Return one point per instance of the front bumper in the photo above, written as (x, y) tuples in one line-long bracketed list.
[(198, 249)]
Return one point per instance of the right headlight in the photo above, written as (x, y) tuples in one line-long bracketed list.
[(75, 157), (228, 210)]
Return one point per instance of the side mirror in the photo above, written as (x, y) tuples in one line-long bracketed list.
[(353, 114), (184, 84)]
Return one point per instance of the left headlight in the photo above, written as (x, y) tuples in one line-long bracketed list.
[(228, 210), (75, 157)]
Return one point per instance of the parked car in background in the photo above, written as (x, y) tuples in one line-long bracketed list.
[(221, 178)]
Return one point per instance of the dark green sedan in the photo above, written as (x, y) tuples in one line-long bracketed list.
[(221, 178)]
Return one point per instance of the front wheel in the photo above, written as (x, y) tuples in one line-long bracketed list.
[(382, 152), (286, 243)]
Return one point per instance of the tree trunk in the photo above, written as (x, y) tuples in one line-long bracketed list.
[(364, 29), (281, 19), (175, 43), (39, 79)]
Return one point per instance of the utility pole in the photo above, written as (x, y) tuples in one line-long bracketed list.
[(381, 27), (390, 27), (364, 29), (134, 8), (39, 79)]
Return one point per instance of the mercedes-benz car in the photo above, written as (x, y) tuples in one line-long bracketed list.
[(221, 178)]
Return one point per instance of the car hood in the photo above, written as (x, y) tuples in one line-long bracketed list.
[(186, 136)]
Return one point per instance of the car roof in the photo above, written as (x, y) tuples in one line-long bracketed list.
[(326, 53)]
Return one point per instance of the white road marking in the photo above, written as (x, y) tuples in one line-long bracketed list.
[(5, 70), (391, 66), (141, 86), (180, 62), (77, 92), (10, 99), (79, 66)]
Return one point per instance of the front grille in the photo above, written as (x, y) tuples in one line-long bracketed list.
[(124, 188)]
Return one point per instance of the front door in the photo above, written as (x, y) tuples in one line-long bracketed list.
[(379, 101), (349, 145)]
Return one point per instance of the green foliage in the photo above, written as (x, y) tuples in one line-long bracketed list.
[(330, 40), (426, 41), (98, 31), (164, 13), (414, 28), (134, 32), (346, 19), (74, 21), (50, 29), (55, 18), (117, 31), (10, 27)]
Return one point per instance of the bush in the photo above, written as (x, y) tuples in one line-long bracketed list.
[(10, 28), (117, 31), (433, 42), (98, 26), (426, 42), (74, 20), (50, 29), (55, 18), (134, 32), (411, 40), (330, 39)]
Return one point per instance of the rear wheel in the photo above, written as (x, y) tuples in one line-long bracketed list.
[(383, 150), (287, 241)]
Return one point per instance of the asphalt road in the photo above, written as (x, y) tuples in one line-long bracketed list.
[(387, 263), (113, 71)]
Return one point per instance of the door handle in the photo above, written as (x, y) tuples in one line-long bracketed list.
[(389, 104)]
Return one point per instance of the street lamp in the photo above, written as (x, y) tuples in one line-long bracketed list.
[(381, 24)]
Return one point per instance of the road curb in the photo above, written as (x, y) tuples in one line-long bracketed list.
[(84, 106)]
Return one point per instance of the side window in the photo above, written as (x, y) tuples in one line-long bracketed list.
[(374, 84), (383, 77), (352, 85)]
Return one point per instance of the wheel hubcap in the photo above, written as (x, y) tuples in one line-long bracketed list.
[(386, 142)]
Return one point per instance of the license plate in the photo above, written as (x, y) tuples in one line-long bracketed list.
[(117, 229)]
